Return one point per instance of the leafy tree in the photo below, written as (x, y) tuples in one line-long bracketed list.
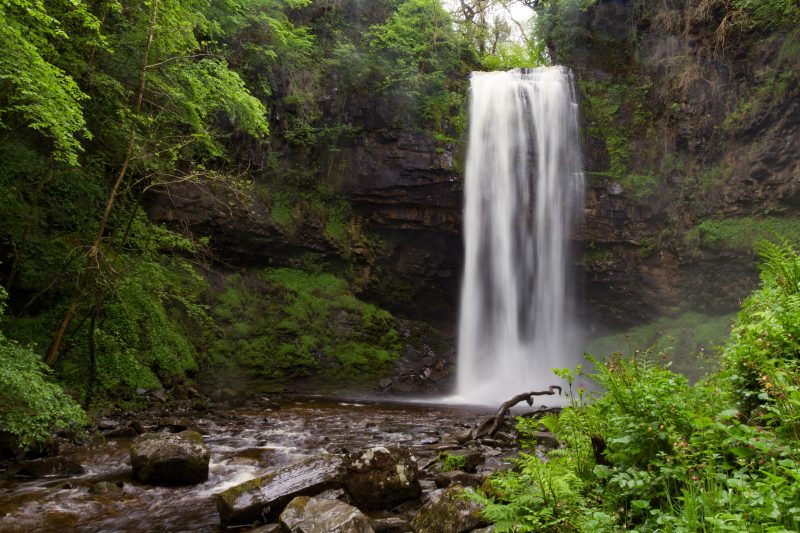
[(37, 93), (162, 105)]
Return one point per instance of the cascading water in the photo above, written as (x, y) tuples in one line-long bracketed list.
[(523, 193)]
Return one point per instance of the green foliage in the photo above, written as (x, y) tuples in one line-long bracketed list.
[(558, 25), (742, 233), (37, 91), (420, 62), (618, 113), (652, 453), (768, 13), (452, 462), (774, 89), (32, 406), (288, 323)]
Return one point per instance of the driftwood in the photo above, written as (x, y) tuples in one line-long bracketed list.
[(489, 426)]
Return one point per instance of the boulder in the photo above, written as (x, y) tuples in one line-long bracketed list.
[(315, 515), (381, 477), (390, 524), (449, 512), (457, 477), (121, 433), (49, 467), (545, 439), (170, 458), (472, 459), (264, 498)]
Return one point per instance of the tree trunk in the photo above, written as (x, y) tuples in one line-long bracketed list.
[(28, 223), (90, 383), (94, 250)]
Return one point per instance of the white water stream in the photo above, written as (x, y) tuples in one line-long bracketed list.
[(523, 194)]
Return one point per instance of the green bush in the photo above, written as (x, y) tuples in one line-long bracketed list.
[(32, 405)]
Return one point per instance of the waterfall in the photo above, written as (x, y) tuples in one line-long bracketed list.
[(523, 194)]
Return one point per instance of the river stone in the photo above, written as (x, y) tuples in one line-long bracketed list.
[(449, 512), (263, 498), (380, 477), (50, 467), (391, 524), (121, 433), (170, 458), (175, 425), (472, 459), (314, 515), (457, 477)]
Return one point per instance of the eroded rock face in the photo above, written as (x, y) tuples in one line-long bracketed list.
[(265, 497), (381, 477), (316, 515), (170, 458), (449, 512)]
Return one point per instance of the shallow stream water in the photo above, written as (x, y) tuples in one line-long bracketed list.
[(244, 442)]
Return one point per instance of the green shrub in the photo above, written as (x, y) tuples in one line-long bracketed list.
[(32, 405)]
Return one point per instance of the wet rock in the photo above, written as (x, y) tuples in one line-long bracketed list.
[(457, 477), (315, 515), (391, 524), (106, 487), (449, 512), (545, 439), (49, 467), (170, 458), (333, 494), (381, 477), (385, 383), (266, 528), (137, 426), (160, 395), (105, 424), (265, 497), (472, 459), (175, 425), (429, 440), (121, 433)]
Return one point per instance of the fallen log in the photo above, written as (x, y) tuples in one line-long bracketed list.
[(490, 425)]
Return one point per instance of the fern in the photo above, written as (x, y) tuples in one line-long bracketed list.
[(780, 264)]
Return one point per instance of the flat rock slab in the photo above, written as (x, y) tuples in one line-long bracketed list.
[(264, 498), (315, 515), (170, 458)]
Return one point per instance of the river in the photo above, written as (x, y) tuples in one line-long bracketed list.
[(244, 442)]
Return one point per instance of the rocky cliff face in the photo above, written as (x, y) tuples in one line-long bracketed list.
[(692, 129)]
